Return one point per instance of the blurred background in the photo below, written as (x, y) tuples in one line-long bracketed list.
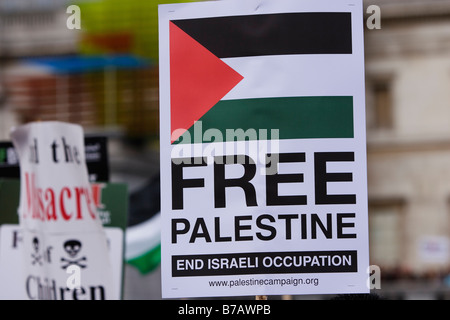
[(104, 76)]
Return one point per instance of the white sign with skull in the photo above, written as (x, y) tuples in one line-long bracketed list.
[(64, 245), (16, 284)]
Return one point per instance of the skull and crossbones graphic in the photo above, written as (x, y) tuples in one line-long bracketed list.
[(37, 258), (72, 248)]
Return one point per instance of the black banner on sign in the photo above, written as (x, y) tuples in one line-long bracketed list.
[(96, 153), (273, 34), (9, 162), (264, 263)]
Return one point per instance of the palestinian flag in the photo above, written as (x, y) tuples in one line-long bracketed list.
[(143, 236), (143, 244), (256, 72)]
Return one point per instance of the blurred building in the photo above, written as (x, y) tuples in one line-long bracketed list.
[(30, 27), (408, 126), (101, 93), (45, 75)]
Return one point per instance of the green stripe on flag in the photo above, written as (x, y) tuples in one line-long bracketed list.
[(148, 261), (294, 117), (143, 244)]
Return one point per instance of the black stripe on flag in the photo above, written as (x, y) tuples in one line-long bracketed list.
[(272, 34)]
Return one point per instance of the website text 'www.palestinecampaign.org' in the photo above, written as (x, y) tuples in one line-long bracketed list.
[(264, 282)]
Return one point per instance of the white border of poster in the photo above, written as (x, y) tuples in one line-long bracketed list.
[(242, 250)]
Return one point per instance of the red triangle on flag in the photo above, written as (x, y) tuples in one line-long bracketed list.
[(198, 80)]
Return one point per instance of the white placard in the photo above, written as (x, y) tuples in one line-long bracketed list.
[(263, 148), (64, 246)]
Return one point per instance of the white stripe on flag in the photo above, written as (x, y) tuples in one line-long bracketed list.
[(292, 76), (143, 237)]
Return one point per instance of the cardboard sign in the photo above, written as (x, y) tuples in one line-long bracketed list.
[(111, 201), (263, 157), (64, 245)]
